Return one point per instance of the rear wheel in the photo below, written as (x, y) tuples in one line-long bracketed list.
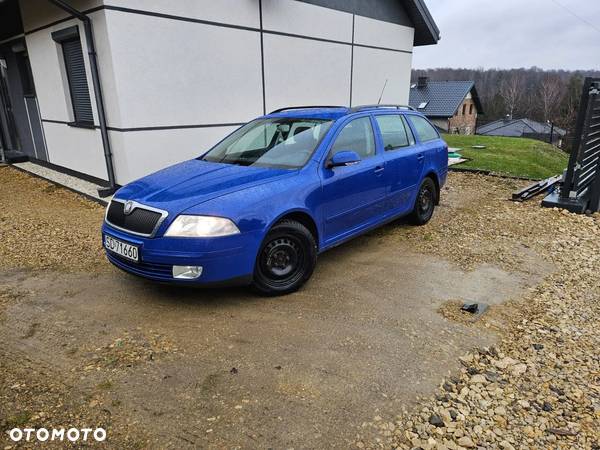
[(425, 204), (286, 259)]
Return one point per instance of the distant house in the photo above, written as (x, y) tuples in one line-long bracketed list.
[(453, 106), (524, 128)]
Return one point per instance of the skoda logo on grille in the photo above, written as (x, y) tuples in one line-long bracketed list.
[(128, 209)]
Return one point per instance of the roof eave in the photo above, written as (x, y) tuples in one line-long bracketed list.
[(436, 116), (477, 100), (429, 34)]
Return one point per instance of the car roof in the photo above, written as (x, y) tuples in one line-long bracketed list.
[(316, 112), (332, 112)]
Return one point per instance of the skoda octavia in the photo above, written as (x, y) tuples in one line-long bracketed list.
[(263, 203)]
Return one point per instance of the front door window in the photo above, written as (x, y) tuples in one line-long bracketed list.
[(357, 136)]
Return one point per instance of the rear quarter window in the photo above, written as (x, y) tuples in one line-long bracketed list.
[(425, 131)]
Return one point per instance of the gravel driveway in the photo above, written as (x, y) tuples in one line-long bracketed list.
[(370, 354)]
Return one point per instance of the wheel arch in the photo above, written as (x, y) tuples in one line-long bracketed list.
[(436, 180), (303, 217)]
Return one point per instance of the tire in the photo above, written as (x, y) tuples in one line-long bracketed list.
[(286, 259), (425, 203)]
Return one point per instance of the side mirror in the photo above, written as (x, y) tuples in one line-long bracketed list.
[(344, 158)]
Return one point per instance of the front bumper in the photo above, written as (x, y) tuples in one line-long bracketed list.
[(224, 259)]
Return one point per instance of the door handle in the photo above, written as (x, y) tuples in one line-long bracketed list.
[(420, 157), (379, 170)]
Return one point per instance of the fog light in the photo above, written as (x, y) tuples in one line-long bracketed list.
[(187, 272)]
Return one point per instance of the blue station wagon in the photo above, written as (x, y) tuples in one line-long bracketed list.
[(263, 203)]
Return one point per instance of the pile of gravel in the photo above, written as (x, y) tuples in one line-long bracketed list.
[(43, 226), (539, 387)]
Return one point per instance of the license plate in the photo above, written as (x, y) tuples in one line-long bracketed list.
[(121, 248)]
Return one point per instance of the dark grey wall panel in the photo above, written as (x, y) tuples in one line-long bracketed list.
[(36, 128), (10, 19), (386, 10), (17, 99)]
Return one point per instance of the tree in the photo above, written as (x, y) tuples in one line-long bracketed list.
[(550, 93), (569, 107), (538, 97), (512, 91)]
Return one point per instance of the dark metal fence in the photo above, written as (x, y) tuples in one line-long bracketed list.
[(580, 191)]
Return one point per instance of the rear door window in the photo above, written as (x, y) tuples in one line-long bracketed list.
[(424, 129), (395, 132)]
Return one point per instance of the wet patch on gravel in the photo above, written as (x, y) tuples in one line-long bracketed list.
[(538, 387)]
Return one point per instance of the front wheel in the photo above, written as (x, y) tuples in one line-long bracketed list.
[(286, 259), (425, 204)]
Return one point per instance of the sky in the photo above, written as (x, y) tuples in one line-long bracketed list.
[(512, 34)]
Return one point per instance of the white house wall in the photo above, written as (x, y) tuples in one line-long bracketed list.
[(235, 12), (175, 84), (78, 149), (48, 69), (200, 74), (376, 33), (371, 70), (305, 72), (373, 66), (290, 16), (143, 152)]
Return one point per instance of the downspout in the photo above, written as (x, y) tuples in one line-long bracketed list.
[(2, 157), (89, 37)]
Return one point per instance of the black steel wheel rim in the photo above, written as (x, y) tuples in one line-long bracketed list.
[(425, 200), (282, 261)]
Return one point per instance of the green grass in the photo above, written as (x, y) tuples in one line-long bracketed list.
[(509, 156)]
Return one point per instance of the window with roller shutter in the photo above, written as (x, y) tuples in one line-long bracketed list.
[(76, 76)]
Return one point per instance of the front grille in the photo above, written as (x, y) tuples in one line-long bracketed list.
[(140, 221)]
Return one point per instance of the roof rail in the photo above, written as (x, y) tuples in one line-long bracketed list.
[(291, 108), (365, 107)]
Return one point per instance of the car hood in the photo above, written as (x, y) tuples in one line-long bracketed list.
[(190, 183)]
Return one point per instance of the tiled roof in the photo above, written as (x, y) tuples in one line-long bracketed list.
[(517, 127), (443, 98)]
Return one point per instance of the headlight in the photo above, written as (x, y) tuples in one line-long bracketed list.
[(201, 226)]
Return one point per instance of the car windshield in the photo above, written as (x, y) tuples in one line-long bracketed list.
[(281, 143)]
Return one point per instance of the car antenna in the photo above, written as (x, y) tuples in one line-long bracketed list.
[(382, 91)]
